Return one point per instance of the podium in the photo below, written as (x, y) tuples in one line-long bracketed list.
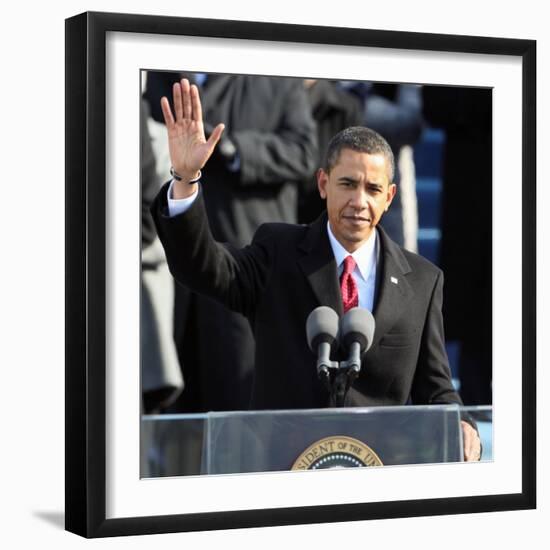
[(263, 441)]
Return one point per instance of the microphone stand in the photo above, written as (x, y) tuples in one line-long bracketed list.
[(345, 376), (325, 366)]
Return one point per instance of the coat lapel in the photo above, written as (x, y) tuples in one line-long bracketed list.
[(319, 266), (393, 291)]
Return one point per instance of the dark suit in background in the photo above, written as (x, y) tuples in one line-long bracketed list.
[(288, 271), (466, 245), (395, 112), (333, 110)]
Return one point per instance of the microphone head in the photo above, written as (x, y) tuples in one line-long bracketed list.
[(357, 325), (321, 326)]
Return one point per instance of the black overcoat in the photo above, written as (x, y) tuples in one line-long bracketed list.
[(289, 270)]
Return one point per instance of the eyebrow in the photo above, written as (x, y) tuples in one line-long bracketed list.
[(375, 184), (351, 179)]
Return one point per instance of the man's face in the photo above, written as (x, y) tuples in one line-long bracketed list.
[(358, 191)]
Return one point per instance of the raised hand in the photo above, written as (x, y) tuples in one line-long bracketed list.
[(189, 149)]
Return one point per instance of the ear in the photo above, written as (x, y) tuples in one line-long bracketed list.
[(322, 182), (392, 190)]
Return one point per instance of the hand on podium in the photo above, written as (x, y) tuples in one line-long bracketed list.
[(472, 443)]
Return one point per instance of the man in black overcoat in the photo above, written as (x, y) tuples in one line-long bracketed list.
[(289, 270)]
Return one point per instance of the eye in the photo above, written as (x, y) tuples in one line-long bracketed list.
[(347, 183)]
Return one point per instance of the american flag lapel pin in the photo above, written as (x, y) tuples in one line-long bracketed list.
[(394, 280)]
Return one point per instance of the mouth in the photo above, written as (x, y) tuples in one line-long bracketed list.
[(356, 220)]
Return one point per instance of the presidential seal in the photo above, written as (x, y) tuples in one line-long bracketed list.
[(336, 452)]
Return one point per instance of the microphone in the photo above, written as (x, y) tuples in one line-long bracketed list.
[(322, 334), (356, 334)]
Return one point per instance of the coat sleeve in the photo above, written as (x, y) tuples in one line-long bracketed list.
[(232, 276), (288, 152), (432, 381)]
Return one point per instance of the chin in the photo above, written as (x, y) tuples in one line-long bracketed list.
[(355, 238)]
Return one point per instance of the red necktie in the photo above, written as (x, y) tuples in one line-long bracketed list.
[(348, 286)]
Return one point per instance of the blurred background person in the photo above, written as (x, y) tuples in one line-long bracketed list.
[(161, 378), (395, 112), (333, 109), (465, 116)]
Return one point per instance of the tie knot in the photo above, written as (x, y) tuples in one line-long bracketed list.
[(349, 264)]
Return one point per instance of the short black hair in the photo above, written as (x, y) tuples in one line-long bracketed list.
[(362, 140)]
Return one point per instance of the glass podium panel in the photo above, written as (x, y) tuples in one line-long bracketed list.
[(171, 445), (269, 441), (263, 441)]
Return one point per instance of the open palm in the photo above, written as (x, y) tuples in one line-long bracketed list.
[(189, 150)]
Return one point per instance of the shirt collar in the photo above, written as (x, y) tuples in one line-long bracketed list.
[(364, 256)]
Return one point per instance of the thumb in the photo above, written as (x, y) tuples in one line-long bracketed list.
[(215, 136)]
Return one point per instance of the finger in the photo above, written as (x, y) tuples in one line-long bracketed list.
[(472, 444), (166, 112), (196, 103), (476, 451), (467, 440), (186, 98), (215, 137), (177, 101), (468, 448)]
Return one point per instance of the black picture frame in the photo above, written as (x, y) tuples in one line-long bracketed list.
[(86, 268)]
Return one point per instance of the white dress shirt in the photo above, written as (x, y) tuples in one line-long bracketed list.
[(365, 257), (179, 206)]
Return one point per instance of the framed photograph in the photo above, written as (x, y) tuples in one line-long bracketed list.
[(120, 479)]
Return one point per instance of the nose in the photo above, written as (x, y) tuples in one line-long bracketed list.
[(359, 199)]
